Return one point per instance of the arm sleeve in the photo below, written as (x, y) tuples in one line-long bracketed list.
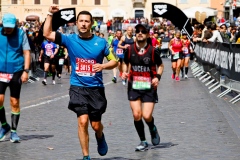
[(58, 38), (109, 55), (25, 44), (157, 58)]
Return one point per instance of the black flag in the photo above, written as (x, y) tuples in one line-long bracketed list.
[(60, 18), (174, 14)]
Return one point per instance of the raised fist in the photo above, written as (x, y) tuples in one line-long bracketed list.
[(53, 8)]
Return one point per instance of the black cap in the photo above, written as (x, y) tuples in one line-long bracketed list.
[(140, 25)]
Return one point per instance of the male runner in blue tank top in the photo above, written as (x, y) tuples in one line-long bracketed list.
[(87, 95), (125, 42)]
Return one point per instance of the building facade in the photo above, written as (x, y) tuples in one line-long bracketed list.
[(101, 9)]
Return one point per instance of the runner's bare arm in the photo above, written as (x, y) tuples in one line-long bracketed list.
[(170, 46), (40, 56), (56, 51), (66, 53), (120, 42), (27, 59), (160, 69), (47, 28)]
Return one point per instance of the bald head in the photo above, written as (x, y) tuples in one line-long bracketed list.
[(129, 31)]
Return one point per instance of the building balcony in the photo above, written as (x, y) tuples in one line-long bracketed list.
[(139, 3)]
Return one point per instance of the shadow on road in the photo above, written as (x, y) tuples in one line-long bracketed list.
[(29, 137), (163, 145)]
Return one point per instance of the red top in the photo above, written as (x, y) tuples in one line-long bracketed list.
[(155, 42), (177, 45)]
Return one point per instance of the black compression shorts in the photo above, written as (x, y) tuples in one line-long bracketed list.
[(14, 85), (144, 95)]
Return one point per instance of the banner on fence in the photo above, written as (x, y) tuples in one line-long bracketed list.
[(224, 56)]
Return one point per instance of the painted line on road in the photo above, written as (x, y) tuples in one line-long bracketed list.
[(50, 101)]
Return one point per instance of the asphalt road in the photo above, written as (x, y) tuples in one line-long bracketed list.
[(193, 124)]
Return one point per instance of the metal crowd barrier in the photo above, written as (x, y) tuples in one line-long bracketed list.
[(213, 80)]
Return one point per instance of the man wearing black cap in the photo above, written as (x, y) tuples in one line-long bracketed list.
[(143, 76), (14, 68)]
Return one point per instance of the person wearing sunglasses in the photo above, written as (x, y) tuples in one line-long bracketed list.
[(143, 67)]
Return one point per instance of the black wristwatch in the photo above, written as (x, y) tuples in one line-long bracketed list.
[(26, 70)]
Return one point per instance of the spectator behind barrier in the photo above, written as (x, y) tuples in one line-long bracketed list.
[(223, 33)]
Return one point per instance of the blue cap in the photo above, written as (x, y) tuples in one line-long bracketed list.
[(9, 20)]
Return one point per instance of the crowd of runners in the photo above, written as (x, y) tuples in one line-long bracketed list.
[(134, 55)]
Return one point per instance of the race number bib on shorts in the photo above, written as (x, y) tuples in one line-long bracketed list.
[(61, 61), (84, 67), (185, 50), (141, 83), (119, 53), (176, 56), (5, 77)]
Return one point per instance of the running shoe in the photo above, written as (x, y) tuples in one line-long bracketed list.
[(177, 79), (173, 76), (4, 131), (53, 82), (123, 82), (186, 77), (114, 79), (155, 136), (86, 158), (14, 137), (120, 74), (44, 82), (102, 145), (182, 74), (143, 146)]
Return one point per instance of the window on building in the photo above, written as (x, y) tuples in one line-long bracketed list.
[(36, 1), (14, 1), (203, 1), (74, 2), (183, 1), (97, 2), (55, 2)]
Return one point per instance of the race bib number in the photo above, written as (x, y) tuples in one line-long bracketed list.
[(84, 67), (5, 77), (141, 83), (119, 53), (49, 53), (61, 61), (176, 56)]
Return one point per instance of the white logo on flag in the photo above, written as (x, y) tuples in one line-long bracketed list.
[(67, 15), (160, 9)]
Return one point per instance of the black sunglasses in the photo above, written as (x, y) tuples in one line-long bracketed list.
[(142, 31)]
